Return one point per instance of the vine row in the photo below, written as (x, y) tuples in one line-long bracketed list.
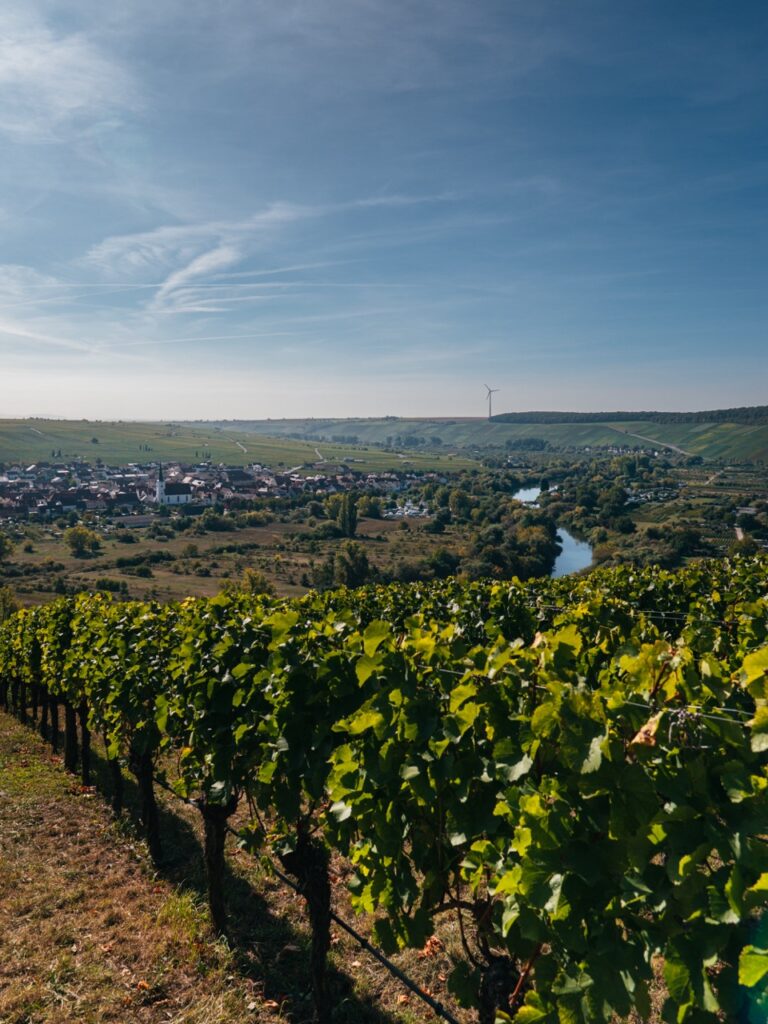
[(574, 769)]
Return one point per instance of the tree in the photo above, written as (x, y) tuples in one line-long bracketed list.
[(82, 541), (746, 545), (459, 504), (346, 518), (438, 522), (253, 581), (8, 603), (6, 547), (351, 567), (369, 507)]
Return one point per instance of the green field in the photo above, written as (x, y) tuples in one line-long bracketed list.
[(711, 440), (271, 443), (122, 443)]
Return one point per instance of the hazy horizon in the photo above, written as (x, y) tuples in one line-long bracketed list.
[(358, 208), (332, 416)]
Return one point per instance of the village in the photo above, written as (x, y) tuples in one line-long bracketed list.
[(139, 492)]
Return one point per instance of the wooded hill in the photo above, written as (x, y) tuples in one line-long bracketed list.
[(748, 414)]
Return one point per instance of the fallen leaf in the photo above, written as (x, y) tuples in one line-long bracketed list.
[(432, 947)]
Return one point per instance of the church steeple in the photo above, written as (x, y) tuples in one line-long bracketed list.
[(160, 486)]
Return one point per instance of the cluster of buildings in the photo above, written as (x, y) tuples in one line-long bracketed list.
[(408, 510), (47, 490), (643, 497)]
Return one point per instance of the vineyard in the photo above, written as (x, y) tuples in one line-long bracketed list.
[(574, 770)]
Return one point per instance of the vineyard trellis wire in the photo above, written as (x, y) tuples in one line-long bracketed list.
[(572, 780)]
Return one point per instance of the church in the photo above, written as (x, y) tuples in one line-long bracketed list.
[(171, 493)]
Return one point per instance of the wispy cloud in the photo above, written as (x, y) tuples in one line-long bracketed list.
[(145, 250), (170, 295), (194, 256), (509, 180), (54, 82), (10, 329), (181, 242)]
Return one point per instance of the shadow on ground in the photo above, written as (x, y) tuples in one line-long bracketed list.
[(269, 950)]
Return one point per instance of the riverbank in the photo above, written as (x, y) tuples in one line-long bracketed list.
[(576, 554)]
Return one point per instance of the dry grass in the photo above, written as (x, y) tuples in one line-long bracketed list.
[(91, 933), (86, 933), (269, 548)]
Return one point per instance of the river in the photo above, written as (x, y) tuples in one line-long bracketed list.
[(576, 554)]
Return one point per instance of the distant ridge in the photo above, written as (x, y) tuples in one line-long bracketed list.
[(748, 414)]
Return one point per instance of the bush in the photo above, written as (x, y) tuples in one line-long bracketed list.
[(253, 581), (8, 603), (113, 586), (6, 546)]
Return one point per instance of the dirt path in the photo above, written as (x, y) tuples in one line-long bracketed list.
[(654, 441), (87, 933)]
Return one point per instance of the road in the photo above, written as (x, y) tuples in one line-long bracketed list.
[(241, 447), (654, 441)]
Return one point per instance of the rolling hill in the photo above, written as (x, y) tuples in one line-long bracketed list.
[(712, 439)]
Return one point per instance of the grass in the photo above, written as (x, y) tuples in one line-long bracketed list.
[(91, 933), (71, 948), (267, 441), (710, 440), (270, 548), (122, 443)]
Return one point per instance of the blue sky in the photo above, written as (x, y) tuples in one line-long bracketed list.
[(212, 208)]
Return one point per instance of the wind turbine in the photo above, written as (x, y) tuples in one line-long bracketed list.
[(491, 391)]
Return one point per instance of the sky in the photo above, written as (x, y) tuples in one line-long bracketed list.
[(288, 208)]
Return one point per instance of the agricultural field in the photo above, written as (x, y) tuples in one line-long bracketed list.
[(448, 443), (451, 764), (123, 443), (69, 953), (712, 441)]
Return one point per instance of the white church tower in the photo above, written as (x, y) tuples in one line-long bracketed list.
[(160, 486)]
